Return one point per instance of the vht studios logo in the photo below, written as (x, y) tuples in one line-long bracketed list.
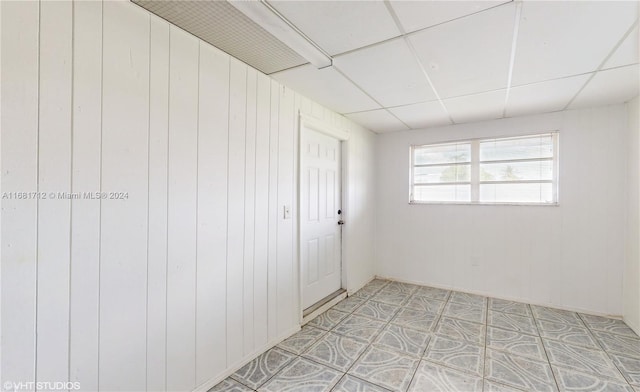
[(40, 385)]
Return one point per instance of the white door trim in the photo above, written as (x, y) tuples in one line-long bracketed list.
[(322, 127), (342, 135)]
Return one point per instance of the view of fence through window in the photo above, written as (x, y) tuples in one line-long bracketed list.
[(498, 170)]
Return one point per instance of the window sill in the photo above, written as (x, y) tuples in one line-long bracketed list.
[(468, 203)]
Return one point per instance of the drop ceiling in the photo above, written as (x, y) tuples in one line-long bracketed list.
[(400, 65)]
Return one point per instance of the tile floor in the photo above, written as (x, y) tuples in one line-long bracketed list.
[(392, 336)]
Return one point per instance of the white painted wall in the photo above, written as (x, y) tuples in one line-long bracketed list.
[(194, 273), (359, 228), (632, 267), (570, 256)]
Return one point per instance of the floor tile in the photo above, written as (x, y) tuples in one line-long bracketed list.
[(371, 288), (513, 322), (504, 306), (230, 385), (468, 299), (377, 310), (432, 292), (303, 375), (456, 354), (378, 283), (567, 333), (336, 351), (461, 330), (358, 327), (256, 372), (392, 298), (364, 293), (403, 339), (477, 314), (556, 315), (570, 380), (431, 377), (492, 386), (401, 288), (581, 359), (425, 303), (617, 344), (392, 336), (515, 343), (350, 383), (387, 368), (518, 372), (415, 319), (629, 367), (302, 340), (328, 319), (349, 304), (606, 324)]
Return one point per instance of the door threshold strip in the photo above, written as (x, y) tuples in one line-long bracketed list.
[(321, 306)]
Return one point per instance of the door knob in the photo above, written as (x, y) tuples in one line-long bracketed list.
[(341, 222)]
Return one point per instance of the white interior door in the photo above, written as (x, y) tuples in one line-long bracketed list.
[(320, 232)]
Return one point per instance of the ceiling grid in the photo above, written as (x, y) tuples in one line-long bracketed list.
[(401, 64), (417, 59), (602, 64), (514, 45)]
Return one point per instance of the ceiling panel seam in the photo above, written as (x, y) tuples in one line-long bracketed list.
[(369, 95), (295, 28), (499, 89), (415, 32), (514, 43), (393, 14), (602, 64)]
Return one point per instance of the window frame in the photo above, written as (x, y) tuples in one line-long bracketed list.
[(474, 164)]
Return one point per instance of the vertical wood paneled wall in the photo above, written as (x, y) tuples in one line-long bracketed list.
[(194, 272)]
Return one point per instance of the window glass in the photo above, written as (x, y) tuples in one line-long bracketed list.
[(445, 173), (499, 170), (444, 193), (447, 153)]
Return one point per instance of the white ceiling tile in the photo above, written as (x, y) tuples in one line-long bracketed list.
[(422, 115), (543, 97), (388, 72), (340, 26), (478, 107), (327, 87), (627, 52), (469, 55), (416, 15), (378, 121), (608, 87), (563, 38)]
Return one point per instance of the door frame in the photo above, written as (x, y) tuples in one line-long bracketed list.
[(313, 123)]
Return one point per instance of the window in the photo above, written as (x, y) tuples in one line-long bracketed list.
[(510, 170)]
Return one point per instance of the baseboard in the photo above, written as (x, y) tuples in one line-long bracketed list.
[(634, 327), (350, 292), (585, 311), (204, 387)]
